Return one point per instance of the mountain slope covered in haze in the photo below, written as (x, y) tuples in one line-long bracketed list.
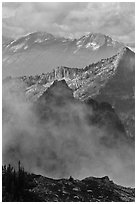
[(34, 53), (62, 136)]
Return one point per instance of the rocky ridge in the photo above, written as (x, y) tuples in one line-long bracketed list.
[(90, 189), (91, 41), (77, 79)]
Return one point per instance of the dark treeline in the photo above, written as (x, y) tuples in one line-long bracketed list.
[(17, 184)]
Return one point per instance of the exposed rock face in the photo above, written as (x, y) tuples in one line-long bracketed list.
[(90, 189)]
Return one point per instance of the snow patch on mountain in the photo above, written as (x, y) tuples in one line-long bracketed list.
[(92, 45), (17, 47)]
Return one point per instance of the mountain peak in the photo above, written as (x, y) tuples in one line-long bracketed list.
[(29, 40), (95, 41)]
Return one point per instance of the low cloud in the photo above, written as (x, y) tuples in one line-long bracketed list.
[(63, 145)]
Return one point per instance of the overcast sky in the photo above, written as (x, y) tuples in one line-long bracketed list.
[(70, 19)]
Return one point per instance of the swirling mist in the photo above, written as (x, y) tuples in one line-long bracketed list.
[(65, 145)]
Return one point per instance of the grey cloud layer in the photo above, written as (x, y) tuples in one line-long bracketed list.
[(70, 19)]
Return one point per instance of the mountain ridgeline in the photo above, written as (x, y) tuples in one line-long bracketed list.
[(34, 53)]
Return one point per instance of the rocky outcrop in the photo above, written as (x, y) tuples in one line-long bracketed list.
[(21, 186), (90, 189)]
